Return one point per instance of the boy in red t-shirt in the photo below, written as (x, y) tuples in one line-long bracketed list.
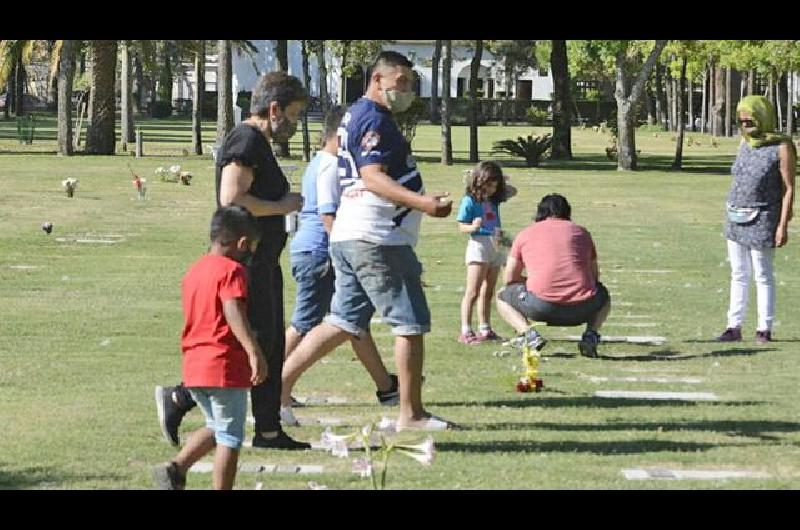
[(221, 358)]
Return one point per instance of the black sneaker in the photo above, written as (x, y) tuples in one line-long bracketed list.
[(588, 344), (168, 477), (169, 414), (390, 397), (282, 441)]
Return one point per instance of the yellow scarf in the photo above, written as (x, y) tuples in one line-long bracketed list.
[(763, 115)]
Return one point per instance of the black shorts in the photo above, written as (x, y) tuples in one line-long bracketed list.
[(533, 308)]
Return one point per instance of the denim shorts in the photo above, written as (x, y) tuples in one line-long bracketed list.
[(225, 410), (313, 274), (533, 308), (386, 277)]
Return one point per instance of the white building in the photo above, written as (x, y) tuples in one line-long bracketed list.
[(531, 84)]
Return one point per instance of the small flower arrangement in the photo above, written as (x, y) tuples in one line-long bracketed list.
[(70, 185), (141, 186), (174, 174), (382, 434)]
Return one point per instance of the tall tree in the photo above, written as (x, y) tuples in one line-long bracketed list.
[(517, 55), (728, 101), (224, 90), (199, 96), (304, 115), (678, 160), (100, 135), (562, 105), (437, 55), (661, 98), (322, 71), (66, 71), (282, 52), (717, 108), (447, 143), (704, 102), (126, 112), (628, 98), (473, 99)]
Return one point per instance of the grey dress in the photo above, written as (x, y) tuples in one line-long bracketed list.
[(756, 184)]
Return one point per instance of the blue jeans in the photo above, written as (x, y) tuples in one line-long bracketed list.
[(225, 410), (386, 277), (314, 277)]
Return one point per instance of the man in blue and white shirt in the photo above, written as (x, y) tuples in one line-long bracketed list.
[(372, 241)]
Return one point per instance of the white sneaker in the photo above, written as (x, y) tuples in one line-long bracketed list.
[(287, 417)]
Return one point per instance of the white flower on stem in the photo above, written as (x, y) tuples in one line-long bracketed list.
[(335, 443), (362, 467), (175, 169), (70, 183), (422, 452), (388, 426)]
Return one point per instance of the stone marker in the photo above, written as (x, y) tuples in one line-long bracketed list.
[(689, 474)]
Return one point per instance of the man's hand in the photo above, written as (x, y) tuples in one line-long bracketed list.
[(476, 223), (437, 205), (781, 236), (258, 368), (293, 202)]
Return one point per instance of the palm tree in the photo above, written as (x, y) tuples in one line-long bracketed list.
[(66, 71), (473, 100), (562, 106), (14, 54), (224, 89), (447, 144), (197, 101), (100, 136)]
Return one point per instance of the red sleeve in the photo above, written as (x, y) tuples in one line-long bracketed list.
[(233, 284)]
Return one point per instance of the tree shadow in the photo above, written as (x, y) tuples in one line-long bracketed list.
[(571, 446), (590, 402), (745, 428), (672, 355), (38, 476)]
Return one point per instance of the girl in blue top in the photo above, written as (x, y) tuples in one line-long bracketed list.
[(479, 216)]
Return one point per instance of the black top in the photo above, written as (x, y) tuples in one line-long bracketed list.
[(250, 148)]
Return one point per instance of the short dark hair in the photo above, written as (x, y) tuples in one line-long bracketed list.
[(390, 58), (229, 223), (553, 205), (276, 86), (332, 120)]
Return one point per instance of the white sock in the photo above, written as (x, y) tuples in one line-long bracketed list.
[(465, 329), (485, 327)]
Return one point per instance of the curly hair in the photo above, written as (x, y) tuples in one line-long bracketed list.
[(482, 175)]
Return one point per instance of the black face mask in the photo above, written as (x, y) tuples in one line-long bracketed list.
[(245, 257), (283, 129)]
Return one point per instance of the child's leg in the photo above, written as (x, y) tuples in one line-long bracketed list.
[(199, 444), (476, 272), (225, 461), (486, 296)]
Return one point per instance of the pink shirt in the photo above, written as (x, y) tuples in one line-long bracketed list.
[(557, 255)]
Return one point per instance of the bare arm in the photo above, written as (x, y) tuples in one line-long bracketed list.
[(468, 228), (327, 221), (513, 273), (235, 311), (788, 159), (234, 185), (378, 182)]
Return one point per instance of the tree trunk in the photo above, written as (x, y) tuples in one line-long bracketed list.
[(627, 101), (447, 144), (690, 104), (224, 91), (790, 102), (507, 96), (562, 105), (9, 95), (164, 90), (138, 100), (282, 52), (661, 100), (437, 55), (19, 87), (670, 97), (66, 71), (322, 70), (704, 103), (728, 102), (304, 115), (473, 101), (719, 101), (676, 163), (343, 77), (199, 96), (779, 99), (100, 135), (651, 104), (751, 82), (126, 114)]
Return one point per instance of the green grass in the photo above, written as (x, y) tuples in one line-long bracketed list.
[(91, 329)]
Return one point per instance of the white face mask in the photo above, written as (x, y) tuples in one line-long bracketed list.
[(398, 101)]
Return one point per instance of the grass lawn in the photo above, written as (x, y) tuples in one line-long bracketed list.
[(89, 329)]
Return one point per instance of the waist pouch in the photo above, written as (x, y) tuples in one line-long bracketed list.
[(740, 215)]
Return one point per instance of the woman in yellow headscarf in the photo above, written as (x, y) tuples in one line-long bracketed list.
[(759, 209)]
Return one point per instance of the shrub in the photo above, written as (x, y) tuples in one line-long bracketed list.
[(657, 127), (536, 116), (531, 148), (161, 109)]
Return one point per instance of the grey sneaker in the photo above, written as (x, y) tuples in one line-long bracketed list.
[(530, 338), (588, 344), (167, 476)]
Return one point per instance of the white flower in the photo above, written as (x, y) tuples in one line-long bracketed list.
[(422, 452), (186, 174), (159, 170), (70, 183), (175, 169)]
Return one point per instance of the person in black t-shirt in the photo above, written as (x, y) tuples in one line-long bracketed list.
[(247, 174)]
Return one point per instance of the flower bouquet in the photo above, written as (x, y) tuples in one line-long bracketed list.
[(70, 185)]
